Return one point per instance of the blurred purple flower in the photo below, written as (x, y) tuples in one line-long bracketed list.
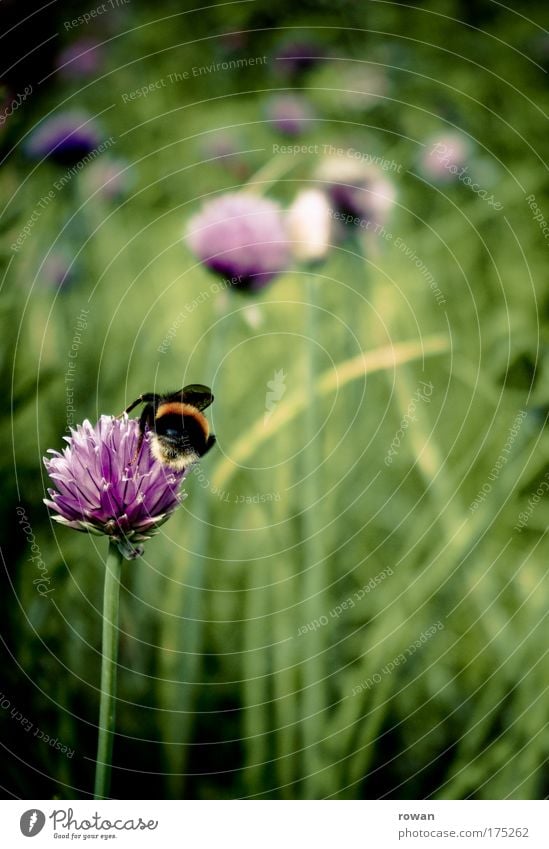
[(226, 150), (296, 57), (242, 237), (231, 41), (108, 176), (64, 138), (57, 270), (290, 114), (100, 490), (81, 59), (357, 190), (220, 145), (444, 156)]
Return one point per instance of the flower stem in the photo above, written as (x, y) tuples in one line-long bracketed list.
[(183, 630), (109, 654), (314, 565), (270, 173)]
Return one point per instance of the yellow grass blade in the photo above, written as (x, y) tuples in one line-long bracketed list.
[(368, 362)]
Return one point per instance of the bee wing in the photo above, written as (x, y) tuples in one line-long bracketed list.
[(196, 394)]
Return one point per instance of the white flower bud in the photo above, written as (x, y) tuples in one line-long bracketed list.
[(308, 223)]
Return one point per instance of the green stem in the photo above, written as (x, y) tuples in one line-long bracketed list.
[(182, 643), (286, 666), (314, 581), (272, 171), (183, 630), (109, 654)]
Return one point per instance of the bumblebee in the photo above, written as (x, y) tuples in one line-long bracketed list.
[(180, 433)]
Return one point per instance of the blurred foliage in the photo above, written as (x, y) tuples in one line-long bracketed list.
[(213, 675)]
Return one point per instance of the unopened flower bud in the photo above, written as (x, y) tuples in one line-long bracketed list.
[(308, 224)]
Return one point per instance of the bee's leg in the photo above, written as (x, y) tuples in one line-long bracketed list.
[(146, 419), (148, 398), (131, 407)]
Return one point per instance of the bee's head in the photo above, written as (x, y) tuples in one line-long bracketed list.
[(182, 425)]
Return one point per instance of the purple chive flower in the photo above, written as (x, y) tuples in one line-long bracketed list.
[(101, 487), (225, 149), (296, 57), (110, 177), (242, 237), (64, 138), (444, 157), (290, 114), (58, 269), (358, 190), (231, 41), (81, 59), (220, 145)]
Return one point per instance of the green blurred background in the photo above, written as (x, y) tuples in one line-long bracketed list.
[(244, 671)]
